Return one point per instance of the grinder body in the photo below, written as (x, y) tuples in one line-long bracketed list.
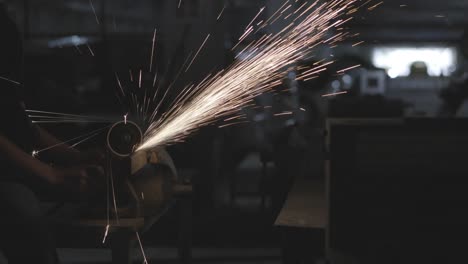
[(143, 181)]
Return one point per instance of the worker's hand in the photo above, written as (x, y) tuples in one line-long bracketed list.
[(78, 179)]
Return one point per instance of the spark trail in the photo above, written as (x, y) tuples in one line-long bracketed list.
[(265, 63), (86, 136), (43, 117), (9, 80)]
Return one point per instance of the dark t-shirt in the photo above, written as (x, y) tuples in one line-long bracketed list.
[(15, 124)]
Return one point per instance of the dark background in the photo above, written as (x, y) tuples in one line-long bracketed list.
[(227, 166)]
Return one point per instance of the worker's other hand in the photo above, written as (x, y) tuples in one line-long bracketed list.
[(78, 179)]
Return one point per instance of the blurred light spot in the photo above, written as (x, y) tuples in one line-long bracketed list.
[(68, 41), (336, 85), (398, 60)]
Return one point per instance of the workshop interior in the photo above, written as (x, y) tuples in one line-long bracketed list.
[(233, 131)]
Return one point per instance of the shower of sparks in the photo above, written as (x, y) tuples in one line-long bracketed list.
[(312, 73), (152, 51), (155, 111), (334, 94), (196, 54), (94, 11), (145, 261), (263, 66), (9, 80)]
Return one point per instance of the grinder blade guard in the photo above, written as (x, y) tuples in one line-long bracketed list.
[(123, 137)]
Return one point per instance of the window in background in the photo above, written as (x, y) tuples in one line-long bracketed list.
[(398, 61)]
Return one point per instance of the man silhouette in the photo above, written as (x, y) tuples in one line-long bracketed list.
[(24, 234)]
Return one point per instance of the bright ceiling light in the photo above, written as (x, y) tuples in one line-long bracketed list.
[(440, 61)]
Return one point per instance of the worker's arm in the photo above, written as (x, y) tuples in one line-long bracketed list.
[(12, 154), (18, 158), (62, 152), (59, 151)]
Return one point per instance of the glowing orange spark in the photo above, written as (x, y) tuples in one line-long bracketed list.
[(357, 44), (105, 234), (94, 11), (90, 50), (283, 113), (334, 94), (232, 124), (349, 68), (221, 13), (152, 51), (375, 6), (141, 248), (255, 17), (78, 49), (196, 54), (139, 80)]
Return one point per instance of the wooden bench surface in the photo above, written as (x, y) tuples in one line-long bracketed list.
[(305, 206)]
